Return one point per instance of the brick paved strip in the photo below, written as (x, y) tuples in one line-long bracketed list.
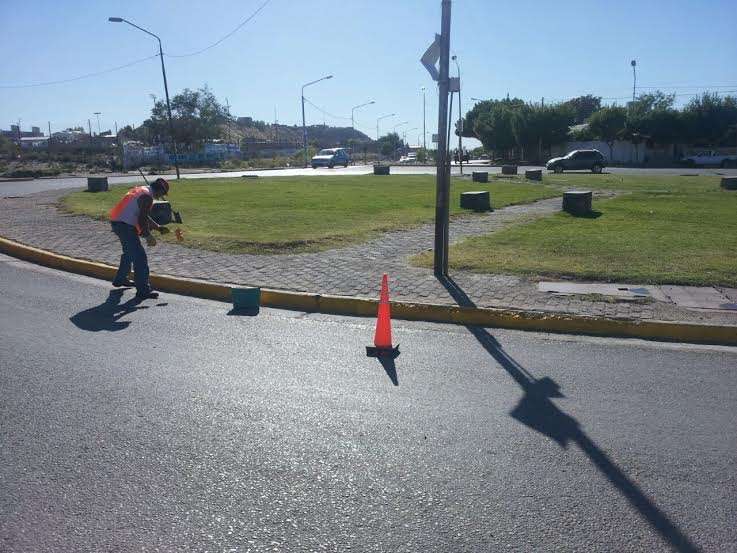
[(355, 270)]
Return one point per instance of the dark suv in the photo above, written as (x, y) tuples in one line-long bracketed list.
[(592, 160)]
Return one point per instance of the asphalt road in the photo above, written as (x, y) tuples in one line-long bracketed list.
[(20, 188), (171, 425)]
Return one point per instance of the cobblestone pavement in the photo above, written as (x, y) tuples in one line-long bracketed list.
[(351, 271)]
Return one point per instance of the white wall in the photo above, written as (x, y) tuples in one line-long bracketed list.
[(622, 151)]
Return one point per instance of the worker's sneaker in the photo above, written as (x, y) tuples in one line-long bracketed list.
[(123, 283), (149, 295)]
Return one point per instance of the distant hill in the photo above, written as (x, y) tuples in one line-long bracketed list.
[(325, 136)]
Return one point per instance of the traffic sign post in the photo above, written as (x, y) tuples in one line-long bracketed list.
[(439, 50)]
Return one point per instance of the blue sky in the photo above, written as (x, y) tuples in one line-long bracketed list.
[(529, 49)]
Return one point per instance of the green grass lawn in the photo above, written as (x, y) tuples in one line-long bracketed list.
[(304, 214), (679, 230)]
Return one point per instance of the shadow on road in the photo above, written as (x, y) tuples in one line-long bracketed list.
[(106, 315), (244, 312), (538, 412), (390, 368)]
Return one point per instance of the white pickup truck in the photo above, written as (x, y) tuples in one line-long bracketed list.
[(710, 158)]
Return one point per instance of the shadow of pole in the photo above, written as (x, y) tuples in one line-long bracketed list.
[(536, 411)]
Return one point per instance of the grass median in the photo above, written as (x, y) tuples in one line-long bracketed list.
[(304, 214), (676, 229)]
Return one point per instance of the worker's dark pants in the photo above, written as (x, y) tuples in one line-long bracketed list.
[(134, 253)]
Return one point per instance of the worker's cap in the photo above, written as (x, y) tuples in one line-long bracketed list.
[(162, 186)]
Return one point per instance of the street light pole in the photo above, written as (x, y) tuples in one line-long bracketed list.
[(166, 86), (98, 113), (633, 63), (424, 132), (353, 123), (379, 119), (304, 125), (460, 118)]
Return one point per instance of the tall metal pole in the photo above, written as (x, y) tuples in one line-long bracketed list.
[(424, 132), (354, 108), (304, 130), (304, 126), (168, 110), (166, 86), (460, 118), (440, 262), (98, 113), (634, 78)]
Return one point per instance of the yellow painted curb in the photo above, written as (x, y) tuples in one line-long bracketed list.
[(362, 307)]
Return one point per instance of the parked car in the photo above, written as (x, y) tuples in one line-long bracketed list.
[(711, 158), (481, 160), (592, 160), (330, 157), (409, 158)]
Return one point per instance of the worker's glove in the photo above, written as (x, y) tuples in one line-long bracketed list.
[(163, 230), (150, 241)]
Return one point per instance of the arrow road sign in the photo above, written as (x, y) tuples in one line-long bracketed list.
[(431, 57)]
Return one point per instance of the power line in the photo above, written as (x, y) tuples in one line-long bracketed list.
[(318, 108), (231, 33), (129, 64), (79, 78)]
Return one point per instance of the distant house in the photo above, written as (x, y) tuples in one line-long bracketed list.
[(34, 142)]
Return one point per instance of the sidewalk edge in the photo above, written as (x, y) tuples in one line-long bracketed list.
[(343, 305)]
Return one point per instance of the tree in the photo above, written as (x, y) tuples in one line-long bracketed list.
[(389, 143), (492, 123), (608, 124), (7, 147), (707, 119), (197, 116), (652, 117), (583, 107)]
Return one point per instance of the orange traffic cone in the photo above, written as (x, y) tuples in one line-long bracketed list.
[(383, 336)]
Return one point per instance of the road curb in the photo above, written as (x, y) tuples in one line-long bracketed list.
[(364, 307)]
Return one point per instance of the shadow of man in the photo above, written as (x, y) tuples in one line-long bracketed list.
[(106, 315), (536, 410)]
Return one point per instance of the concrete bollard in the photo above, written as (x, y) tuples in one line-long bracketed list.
[(478, 200), (97, 184), (577, 202), (480, 176), (534, 174), (381, 169), (509, 169), (729, 183)]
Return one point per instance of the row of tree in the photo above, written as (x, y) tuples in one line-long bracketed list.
[(709, 120)]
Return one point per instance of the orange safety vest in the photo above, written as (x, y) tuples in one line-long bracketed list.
[(127, 210)]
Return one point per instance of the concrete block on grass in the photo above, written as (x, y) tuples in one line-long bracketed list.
[(478, 200), (729, 183), (577, 202), (534, 174), (97, 184)]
